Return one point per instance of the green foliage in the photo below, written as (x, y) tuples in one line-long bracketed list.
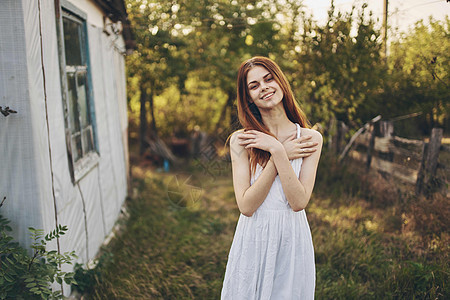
[(181, 41), (86, 278), (201, 107), (167, 250), (337, 70), (178, 250), (416, 80), (334, 67), (29, 277), (373, 240)]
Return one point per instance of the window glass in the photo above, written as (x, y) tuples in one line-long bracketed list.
[(77, 102), (77, 150), (74, 121), (88, 139), (72, 42), (82, 100)]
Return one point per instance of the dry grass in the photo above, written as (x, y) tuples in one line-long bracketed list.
[(372, 241)]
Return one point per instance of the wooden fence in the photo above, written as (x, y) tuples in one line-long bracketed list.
[(412, 161)]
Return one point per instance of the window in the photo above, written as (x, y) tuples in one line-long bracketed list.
[(77, 96)]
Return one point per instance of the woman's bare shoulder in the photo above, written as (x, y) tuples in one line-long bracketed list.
[(235, 147), (238, 131), (235, 135), (315, 135)]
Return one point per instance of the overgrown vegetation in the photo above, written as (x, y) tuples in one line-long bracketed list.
[(375, 238), (175, 242), (368, 243), (184, 69), (372, 239), (30, 277)]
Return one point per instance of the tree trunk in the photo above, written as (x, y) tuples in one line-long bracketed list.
[(223, 113), (154, 131), (234, 118), (143, 121)]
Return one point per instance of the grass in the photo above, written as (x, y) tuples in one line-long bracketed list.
[(371, 240)]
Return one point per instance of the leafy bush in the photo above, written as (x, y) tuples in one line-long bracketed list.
[(30, 277), (88, 277)]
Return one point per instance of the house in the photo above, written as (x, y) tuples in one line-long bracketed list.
[(64, 154)]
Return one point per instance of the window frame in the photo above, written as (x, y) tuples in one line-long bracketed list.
[(90, 159)]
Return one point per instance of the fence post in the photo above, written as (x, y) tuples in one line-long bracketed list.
[(430, 155), (332, 135), (370, 146), (355, 135), (386, 129), (341, 131)]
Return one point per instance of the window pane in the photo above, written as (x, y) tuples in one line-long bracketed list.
[(72, 40), (88, 139), (74, 120), (77, 151), (82, 99)]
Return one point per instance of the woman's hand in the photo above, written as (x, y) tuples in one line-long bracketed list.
[(257, 139), (301, 147)]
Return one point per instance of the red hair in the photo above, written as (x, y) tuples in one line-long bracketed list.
[(249, 115)]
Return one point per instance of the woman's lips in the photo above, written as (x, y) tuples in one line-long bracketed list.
[(267, 96)]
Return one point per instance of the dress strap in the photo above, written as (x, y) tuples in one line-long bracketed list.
[(298, 130)]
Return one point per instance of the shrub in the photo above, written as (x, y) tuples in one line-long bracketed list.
[(30, 277), (88, 277)]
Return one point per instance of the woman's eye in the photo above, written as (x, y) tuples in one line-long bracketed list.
[(269, 79), (253, 87)]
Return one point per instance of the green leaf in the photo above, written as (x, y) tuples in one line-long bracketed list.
[(9, 260)]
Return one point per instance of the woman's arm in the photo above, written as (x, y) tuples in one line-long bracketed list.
[(298, 190), (249, 197)]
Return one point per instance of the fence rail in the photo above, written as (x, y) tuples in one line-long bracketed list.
[(412, 161)]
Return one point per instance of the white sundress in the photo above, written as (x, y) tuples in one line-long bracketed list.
[(272, 254)]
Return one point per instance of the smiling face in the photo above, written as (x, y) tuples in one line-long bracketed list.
[(263, 89)]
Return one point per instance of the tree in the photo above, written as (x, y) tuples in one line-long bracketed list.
[(158, 59), (336, 66), (419, 78), (226, 33)]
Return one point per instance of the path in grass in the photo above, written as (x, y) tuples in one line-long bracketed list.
[(181, 224)]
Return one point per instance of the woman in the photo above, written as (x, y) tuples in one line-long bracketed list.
[(274, 162)]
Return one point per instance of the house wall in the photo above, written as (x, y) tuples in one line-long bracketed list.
[(35, 175), (20, 155), (93, 204), (95, 14)]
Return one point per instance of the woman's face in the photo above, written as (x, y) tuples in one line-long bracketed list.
[(263, 88)]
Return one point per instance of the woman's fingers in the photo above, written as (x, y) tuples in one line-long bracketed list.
[(308, 144), (246, 141), (304, 141), (246, 138), (246, 135), (304, 138), (292, 137), (307, 150)]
